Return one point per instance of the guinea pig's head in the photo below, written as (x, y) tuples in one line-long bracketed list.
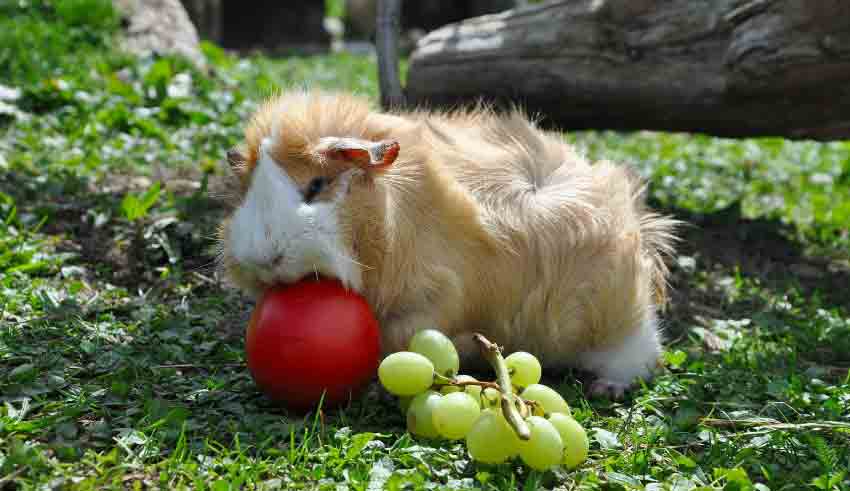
[(305, 179)]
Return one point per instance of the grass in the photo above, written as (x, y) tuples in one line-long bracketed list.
[(121, 354)]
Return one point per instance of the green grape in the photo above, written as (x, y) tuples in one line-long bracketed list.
[(490, 398), (474, 391), (454, 415), (420, 414), (544, 449), (450, 389), (405, 373), (438, 348), (524, 367), (551, 401), (491, 439), (574, 437)]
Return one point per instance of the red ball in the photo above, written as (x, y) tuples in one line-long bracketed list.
[(311, 337)]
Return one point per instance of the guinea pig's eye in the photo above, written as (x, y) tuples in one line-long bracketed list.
[(316, 186)]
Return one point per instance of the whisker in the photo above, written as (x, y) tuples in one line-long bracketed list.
[(343, 256), (207, 266)]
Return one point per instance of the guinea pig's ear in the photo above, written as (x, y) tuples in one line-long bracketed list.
[(365, 154)]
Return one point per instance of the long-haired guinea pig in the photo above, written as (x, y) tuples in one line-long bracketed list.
[(472, 220)]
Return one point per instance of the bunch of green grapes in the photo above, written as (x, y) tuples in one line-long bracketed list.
[(439, 402)]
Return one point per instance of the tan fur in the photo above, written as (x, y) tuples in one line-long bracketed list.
[(485, 223)]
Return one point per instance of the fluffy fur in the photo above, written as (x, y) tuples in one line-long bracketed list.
[(484, 223)]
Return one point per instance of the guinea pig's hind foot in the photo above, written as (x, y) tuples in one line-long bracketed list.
[(618, 368)]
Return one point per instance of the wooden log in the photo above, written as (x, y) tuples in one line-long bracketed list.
[(733, 68), (427, 15)]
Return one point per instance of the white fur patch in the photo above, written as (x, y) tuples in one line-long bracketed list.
[(634, 358), (278, 238)]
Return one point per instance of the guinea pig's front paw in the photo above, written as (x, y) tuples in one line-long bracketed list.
[(613, 389)]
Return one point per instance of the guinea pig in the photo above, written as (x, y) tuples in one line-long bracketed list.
[(469, 220)]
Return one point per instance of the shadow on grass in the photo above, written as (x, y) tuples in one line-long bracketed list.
[(178, 235), (725, 245)]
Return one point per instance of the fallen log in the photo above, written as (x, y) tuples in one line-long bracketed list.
[(733, 68)]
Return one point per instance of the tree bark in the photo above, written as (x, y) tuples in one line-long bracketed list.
[(733, 68)]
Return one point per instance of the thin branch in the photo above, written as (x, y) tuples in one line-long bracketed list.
[(387, 33)]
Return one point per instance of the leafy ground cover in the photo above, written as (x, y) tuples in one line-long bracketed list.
[(121, 353)]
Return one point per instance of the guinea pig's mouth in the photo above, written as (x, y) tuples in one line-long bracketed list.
[(310, 277), (283, 281), (257, 278)]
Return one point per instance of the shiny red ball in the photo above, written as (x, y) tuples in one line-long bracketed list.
[(312, 337)]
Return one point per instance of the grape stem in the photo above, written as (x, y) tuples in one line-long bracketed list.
[(483, 385), (510, 402), (442, 381)]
